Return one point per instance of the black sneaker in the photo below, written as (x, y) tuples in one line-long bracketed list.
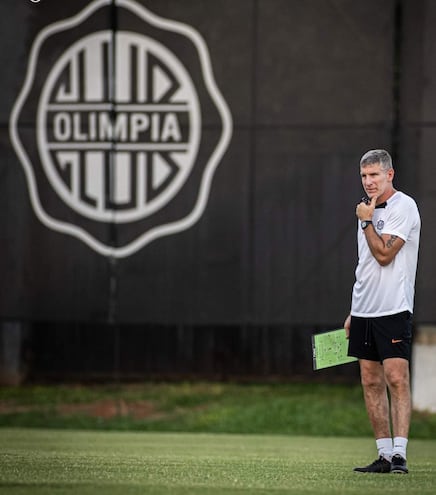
[(399, 465), (380, 465)]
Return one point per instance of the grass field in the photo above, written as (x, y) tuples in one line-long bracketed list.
[(199, 439), (55, 462), (291, 409)]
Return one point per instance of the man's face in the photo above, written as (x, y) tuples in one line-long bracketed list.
[(375, 181)]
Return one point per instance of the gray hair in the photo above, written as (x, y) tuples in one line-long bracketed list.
[(377, 156)]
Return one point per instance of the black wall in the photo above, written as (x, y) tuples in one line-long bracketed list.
[(310, 86)]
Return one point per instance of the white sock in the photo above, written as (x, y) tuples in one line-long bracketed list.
[(384, 447), (400, 446)]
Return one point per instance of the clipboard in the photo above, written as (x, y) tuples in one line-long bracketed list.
[(330, 348)]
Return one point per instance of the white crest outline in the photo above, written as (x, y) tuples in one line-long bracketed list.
[(209, 170)]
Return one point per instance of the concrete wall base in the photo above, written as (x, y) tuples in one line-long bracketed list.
[(424, 370)]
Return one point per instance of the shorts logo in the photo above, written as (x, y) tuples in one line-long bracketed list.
[(118, 117)]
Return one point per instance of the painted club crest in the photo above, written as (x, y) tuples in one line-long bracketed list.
[(118, 157)]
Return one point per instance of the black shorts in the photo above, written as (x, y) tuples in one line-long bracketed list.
[(377, 339)]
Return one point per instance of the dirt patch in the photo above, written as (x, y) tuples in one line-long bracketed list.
[(105, 409), (111, 408)]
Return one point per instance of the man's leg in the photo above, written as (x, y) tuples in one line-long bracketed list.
[(398, 380), (376, 399), (377, 406)]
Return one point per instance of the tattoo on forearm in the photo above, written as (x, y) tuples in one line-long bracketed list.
[(390, 242)]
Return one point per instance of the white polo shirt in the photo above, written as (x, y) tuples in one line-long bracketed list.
[(385, 290)]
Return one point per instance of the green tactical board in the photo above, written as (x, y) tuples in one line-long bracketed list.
[(330, 349)]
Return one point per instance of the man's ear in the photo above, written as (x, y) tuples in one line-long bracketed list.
[(391, 173)]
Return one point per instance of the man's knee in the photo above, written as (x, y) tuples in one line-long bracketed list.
[(372, 376), (396, 373)]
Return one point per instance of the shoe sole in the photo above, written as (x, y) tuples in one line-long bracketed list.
[(371, 472)]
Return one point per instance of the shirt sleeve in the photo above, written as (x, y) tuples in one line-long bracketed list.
[(400, 221)]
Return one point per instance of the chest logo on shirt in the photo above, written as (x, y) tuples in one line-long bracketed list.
[(380, 225)]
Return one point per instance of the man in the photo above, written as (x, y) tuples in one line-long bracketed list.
[(379, 324)]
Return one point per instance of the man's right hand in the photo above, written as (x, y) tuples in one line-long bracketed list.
[(365, 211)]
